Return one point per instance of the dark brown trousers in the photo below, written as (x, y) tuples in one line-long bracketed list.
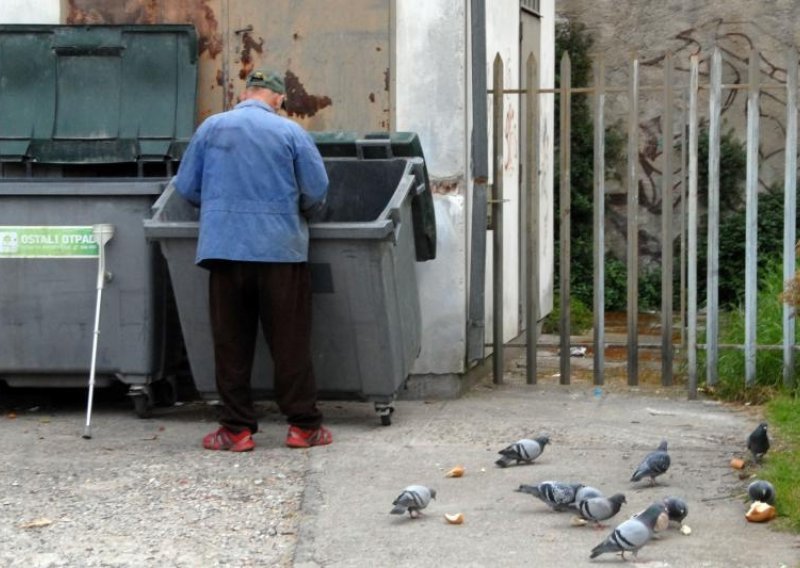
[(279, 296)]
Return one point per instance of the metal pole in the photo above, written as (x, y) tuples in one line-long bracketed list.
[(790, 212), (751, 221), (691, 222), (476, 323), (712, 277), (497, 221), (532, 293), (565, 205), (599, 221), (684, 183), (666, 229), (633, 223)]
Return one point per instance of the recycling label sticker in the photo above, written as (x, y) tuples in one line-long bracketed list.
[(47, 242)]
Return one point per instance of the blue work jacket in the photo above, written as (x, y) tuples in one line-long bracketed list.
[(252, 173)]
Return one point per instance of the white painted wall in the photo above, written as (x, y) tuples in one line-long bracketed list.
[(502, 36), (431, 99), (30, 11), (547, 76), (432, 71)]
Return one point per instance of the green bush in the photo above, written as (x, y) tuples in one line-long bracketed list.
[(580, 317)]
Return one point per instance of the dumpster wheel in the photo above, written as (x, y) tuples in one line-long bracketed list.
[(142, 398), (384, 411)]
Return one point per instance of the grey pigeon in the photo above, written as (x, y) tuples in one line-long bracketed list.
[(584, 493), (522, 451), (601, 508), (676, 509), (556, 495), (655, 464), (632, 534), (761, 490), (413, 499), (758, 442)]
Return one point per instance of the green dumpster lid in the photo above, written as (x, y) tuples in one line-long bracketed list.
[(96, 94)]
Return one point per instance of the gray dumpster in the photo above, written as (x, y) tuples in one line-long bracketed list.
[(92, 120), (366, 316)]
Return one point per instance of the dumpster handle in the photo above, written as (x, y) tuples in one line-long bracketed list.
[(383, 143), (394, 215)]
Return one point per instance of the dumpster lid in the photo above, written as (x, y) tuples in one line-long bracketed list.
[(96, 94), (373, 145)]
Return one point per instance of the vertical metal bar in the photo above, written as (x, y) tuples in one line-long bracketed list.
[(532, 294), (599, 220), (751, 221), (565, 141), (633, 223), (497, 221), (712, 274), (476, 324), (666, 228), (691, 222), (790, 212), (684, 185)]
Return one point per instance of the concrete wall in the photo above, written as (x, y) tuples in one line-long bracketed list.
[(30, 12), (438, 108), (502, 36), (431, 99), (685, 27)]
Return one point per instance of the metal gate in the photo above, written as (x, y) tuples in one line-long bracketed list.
[(680, 115)]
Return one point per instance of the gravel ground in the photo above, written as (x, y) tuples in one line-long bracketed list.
[(142, 492)]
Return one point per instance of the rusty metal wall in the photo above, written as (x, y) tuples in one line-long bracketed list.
[(335, 55)]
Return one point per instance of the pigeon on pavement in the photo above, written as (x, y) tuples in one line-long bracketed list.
[(523, 451), (758, 442), (584, 493), (601, 508), (413, 499), (632, 534), (558, 496), (761, 490), (676, 509), (655, 464)]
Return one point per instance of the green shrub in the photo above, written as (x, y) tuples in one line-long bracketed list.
[(580, 317)]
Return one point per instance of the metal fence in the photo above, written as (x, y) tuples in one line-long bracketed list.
[(680, 122)]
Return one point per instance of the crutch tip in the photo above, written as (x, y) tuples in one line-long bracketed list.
[(87, 435)]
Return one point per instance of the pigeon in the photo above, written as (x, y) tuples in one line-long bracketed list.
[(758, 442), (653, 465), (413, 499), (763, 491), (558, 496), (584, 493), (522, 451), (676, 509), (631, 535), (601, 508)]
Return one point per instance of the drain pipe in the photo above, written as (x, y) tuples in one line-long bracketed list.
[(476, 323)]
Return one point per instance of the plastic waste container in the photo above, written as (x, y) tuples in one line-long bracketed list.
[(366, 328), (92, 119)]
